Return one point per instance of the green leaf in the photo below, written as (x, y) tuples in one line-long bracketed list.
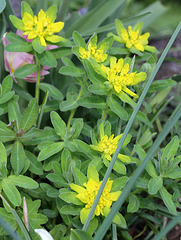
[(53, 91), (98, 89), (52, 12), (119, 183), (35, 166), (65, 159), (154, 185), (18, 23), (3, 155), (70, 197), (6, 97), (94, 77), (13, 37), (5, 133), (30, 115), (68, 105), (17, 157), (47, 59), (167, 199), (125, 98), (79, 41), (19, 47), (79, 177), (50, 150), (115, 106), (14, 113), (57, 179), (78, 234), (76, 128), (23, 181), (61, 52), (161, 84), (84, 148), (170, 150), (37, 45), (150, 167), (92, 102), (25, 70), (72, 71), (175, 174), (95, 17), (7, 84), (58, 124), (11, 192), (2, 5), (70, 210), (25, 7)]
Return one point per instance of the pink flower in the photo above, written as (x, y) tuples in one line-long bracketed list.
[(14, 60)]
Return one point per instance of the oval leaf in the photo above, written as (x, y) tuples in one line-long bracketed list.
[(29, 115), (25, 70), (11, 192)]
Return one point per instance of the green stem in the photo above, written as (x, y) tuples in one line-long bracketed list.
[(104, 115), (114, 232), (42, 109), (37, 79), (73, 110)]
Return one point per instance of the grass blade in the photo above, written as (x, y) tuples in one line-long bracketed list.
[(9, 230), (108, 220)]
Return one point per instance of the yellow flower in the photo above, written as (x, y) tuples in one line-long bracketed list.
[(132, 37), (108, 145), (119, 76), (97, 52), (42, 27), (88, 192)]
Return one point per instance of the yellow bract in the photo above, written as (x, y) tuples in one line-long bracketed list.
[(94, 52), (108, 145), (88, 193), (42, 27), (119, 76), (132, 38)]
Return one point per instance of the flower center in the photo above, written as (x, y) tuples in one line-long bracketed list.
[(92, 188)]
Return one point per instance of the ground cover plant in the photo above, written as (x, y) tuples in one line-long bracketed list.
[(89, 143)]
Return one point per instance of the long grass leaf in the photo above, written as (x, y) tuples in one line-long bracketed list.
[(108, 220), (95, 17), (9, 230)]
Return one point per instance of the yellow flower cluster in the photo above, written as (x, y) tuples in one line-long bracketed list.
[(108, 145), (88, 193), (119, 76), (132, 38), (94, 52), (42, 26)]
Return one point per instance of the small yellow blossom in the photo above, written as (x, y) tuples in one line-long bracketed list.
[(108, 145), (132, 38), (119, 76), (88, 192), (42, 27), (98, 53)]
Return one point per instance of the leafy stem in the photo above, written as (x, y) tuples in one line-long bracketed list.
[(74, 110)]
